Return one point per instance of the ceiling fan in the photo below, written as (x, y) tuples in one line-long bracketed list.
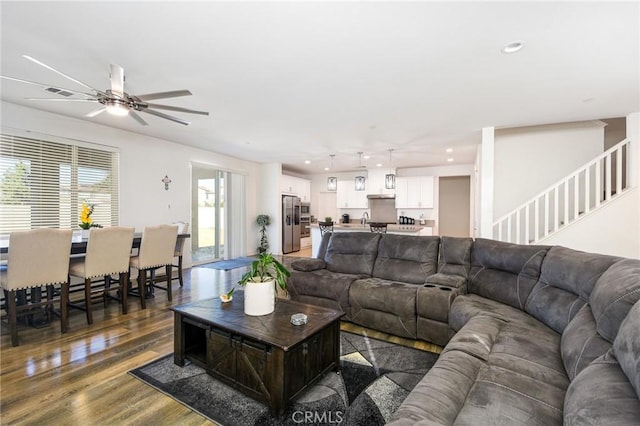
[(114, 100)]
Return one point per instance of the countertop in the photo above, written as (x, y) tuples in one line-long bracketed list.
[(395, 228)]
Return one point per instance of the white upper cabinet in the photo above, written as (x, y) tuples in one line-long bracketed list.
[(348, 198), (296, 186), (414, 192)]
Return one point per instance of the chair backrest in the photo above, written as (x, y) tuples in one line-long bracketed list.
[(157, 246), (183, 228), (325, 227), (378, 227), (38, 257), (108, 251)]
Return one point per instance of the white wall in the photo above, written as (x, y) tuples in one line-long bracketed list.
[(269, 202), (144, 161), (614, 229), (530, 159)]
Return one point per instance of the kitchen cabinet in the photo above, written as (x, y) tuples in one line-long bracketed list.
[(291, 185), (375, 182), (414, 192), (348, 198)]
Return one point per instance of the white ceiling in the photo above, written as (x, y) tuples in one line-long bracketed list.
[(287, 82)]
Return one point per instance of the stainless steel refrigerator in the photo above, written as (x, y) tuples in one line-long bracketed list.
[(290, 224)]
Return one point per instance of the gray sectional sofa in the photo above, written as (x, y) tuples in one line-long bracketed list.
[(531, 334)]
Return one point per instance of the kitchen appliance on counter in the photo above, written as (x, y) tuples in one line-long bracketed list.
[(290, 224), (345, 218)]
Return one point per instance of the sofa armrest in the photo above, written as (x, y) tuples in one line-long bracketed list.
[(445, 280), (308, 265)]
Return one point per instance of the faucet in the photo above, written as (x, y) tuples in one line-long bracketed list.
[(364, 219)]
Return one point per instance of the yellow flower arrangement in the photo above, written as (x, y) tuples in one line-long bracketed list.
[(86, 221)]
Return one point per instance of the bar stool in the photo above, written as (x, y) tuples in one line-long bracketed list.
[(157, 248), (108, 253), (378, 227), (37, 258), (325, 227)]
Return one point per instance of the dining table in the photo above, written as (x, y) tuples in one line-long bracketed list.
[(79, 242), (78, 248)]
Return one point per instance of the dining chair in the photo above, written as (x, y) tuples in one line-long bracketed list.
[(325, 227), (183, 228), (108, 253), (157, 249), (37, 258)]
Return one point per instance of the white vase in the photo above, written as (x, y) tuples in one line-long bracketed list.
[(85, 234), (259, 298)]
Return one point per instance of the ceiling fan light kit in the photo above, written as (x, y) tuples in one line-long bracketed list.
[(114, 100)]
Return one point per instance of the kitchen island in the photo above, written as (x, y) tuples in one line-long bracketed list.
[(316, 238)]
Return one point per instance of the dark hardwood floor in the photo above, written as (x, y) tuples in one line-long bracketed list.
[(80, 378)]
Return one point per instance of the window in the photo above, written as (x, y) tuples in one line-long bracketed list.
[(44, 183)]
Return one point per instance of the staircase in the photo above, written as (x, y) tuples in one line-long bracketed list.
[(582, 192)]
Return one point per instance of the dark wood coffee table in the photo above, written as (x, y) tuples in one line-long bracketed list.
[(265, 357)]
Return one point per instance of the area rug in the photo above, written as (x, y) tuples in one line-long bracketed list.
[(229, 264), (374, 378)]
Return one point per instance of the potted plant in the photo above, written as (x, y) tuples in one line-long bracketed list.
[(260, 285), (263, 221), (86, 221)]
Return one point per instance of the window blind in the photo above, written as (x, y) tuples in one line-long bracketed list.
[(44, 183)]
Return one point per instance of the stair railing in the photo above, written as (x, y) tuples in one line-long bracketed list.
[(582, 191)]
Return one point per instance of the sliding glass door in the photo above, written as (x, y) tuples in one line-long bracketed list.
[(208, 201)]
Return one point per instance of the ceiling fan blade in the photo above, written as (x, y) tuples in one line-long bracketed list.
[(117, 80), (177, 109), (163, 95), (96, 112), (62, 99), (47, 86), (165, 116), (62, 74), (137, 117)]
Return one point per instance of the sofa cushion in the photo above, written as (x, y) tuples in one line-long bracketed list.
[(439, 396), (531, 351), (455, 256), (352, 252), (565, 284), (613, 295), (465, 307), (406, 258), (581, 344), (383, 305), (626, 347), (504, 272), (322, 287), (306, 264), (601, 395)]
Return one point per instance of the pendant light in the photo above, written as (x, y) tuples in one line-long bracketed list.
[(390, 178), (360, 180), (332, 181)]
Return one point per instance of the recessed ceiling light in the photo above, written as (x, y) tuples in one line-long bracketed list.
[(449, 150), (513, 47), (307, 161), (379, 165), (326, 169), (366, 157), (450, 159)]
